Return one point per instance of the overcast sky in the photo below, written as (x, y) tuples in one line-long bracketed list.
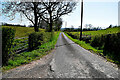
[(100, 13)]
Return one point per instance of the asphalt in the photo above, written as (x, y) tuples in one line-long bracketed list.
[(68, 60)]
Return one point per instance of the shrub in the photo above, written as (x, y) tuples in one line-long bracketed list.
[(112, 46), (98, 41), (38, 38), (86, 39), (8, 35), (76, 36), (73, 36)]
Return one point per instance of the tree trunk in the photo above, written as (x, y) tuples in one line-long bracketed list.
[(36, 28), (50, 29), (51, 22), (36, 19)]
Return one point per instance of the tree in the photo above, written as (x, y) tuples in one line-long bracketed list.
[(30, 25), (54, 10), (72, 28), (37, 11), (86, 25), (43, 24), (58, 24), (30, 10), (110, 26), (90, 26)]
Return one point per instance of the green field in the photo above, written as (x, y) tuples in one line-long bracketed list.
[(23, 31), (99, 32)]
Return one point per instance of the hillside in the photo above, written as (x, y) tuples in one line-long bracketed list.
[(22, 31), (99, 32)]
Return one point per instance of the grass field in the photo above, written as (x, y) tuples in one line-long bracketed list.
[(23, 31), (99, 32)]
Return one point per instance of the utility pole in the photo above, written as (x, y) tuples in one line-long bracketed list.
[(81, 19)]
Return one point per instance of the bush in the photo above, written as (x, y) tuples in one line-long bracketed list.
[(38, 38), (8, 35), (98, 41), (73, 36), (76, 36), (86, 39), (112, 46)]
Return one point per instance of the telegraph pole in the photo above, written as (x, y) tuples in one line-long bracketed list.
[(81, 19)]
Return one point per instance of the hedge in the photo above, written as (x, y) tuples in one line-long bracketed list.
[(8, 35), (108, 43), (112, 46), (98, 41), (75, 36), (38, 38)]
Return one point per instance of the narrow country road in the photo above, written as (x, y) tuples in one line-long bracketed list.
[(68, 60)]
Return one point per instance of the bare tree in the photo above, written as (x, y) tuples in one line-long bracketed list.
[(30, 10), (54, 10), (72, 28), (89, 26), (35, 11)]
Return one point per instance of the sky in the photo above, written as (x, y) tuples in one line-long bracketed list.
[(100, 13)]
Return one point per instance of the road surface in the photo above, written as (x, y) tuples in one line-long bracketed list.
[(67, 60)]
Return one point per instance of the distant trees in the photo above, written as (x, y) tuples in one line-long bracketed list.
[(72, 28), (110, 26), (30, 25), (17, 25), (54, 10), (89, 26), (58, 24), (37, 11)]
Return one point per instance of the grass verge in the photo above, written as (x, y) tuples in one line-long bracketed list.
[(92, 49), (26, 57)]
